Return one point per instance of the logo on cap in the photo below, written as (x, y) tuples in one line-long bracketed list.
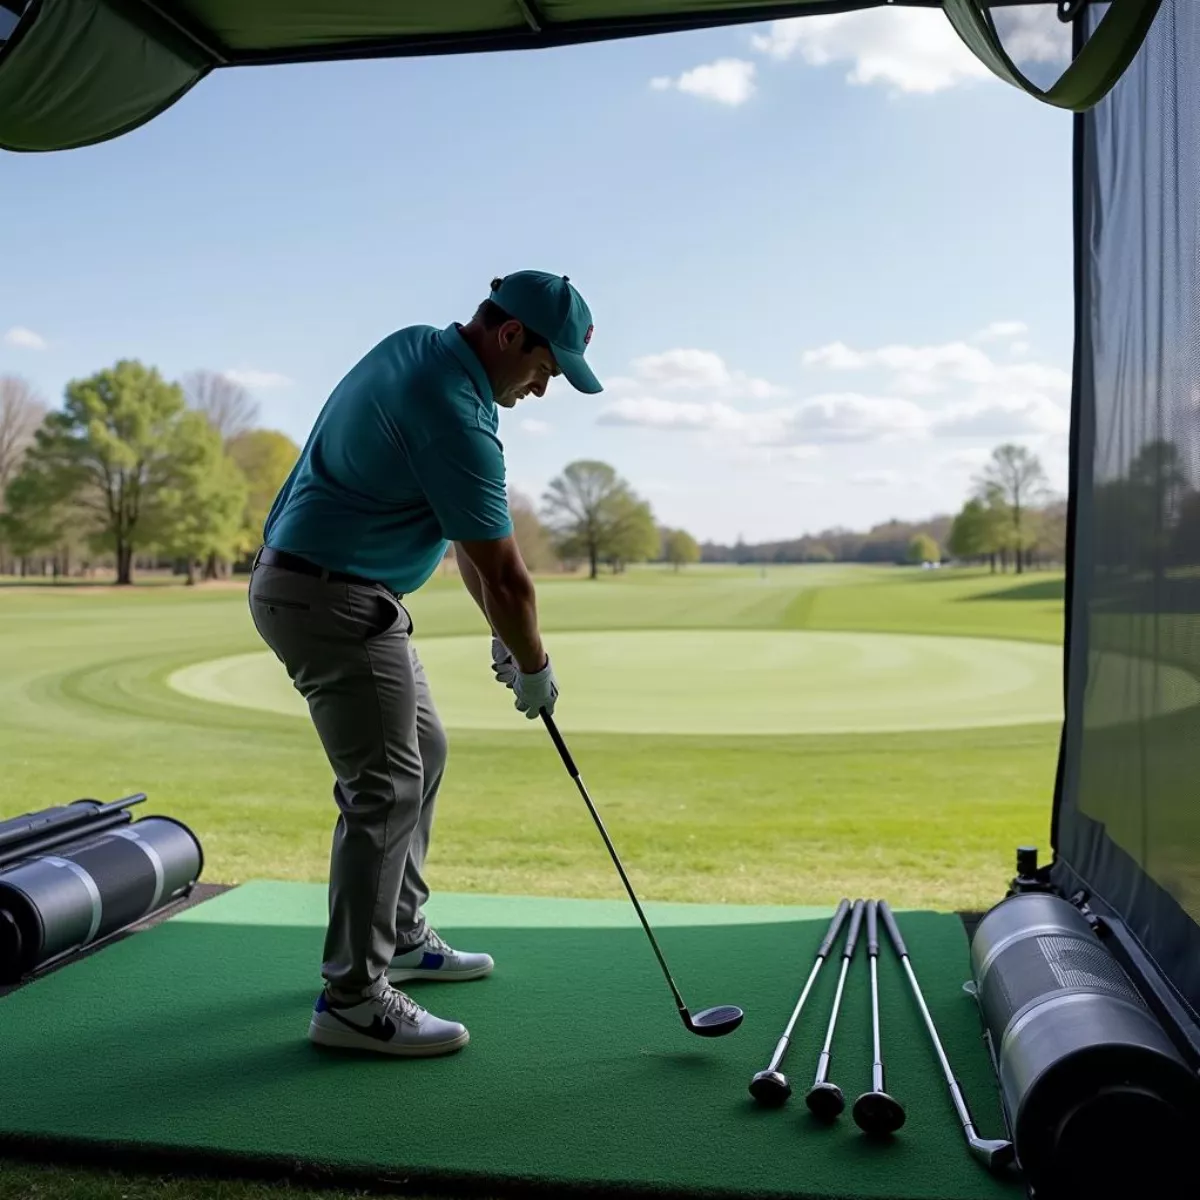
[(587, 337)]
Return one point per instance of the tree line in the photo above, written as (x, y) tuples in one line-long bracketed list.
[(134, 468), (137, 470), (1009, 519)]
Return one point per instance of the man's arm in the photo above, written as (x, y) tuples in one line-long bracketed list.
[(470, 576), (507, 596)]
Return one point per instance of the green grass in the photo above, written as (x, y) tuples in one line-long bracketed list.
[(927, 819)]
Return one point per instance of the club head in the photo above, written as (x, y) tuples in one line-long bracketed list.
[(825, 1101), (714, 1022), (994, 1153), (770, 1088), (878, 1113)]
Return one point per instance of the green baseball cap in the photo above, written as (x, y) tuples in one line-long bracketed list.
[(550, 306)]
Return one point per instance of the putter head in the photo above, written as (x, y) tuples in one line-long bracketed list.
[(715, 1022), (825, 1101), (878, 1113), (770, 1088), (994, 1153)]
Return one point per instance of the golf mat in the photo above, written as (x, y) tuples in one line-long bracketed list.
[(189, 1038)]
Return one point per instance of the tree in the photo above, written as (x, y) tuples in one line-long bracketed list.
[(632, 533), (969, 533), (21, 412), (593, 514), (265, 458), (1015, 479), (680, 548), (923, 549), (198, 515), (226, 405), (115, 450), (533, 539)]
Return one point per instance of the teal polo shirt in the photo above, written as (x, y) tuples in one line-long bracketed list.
[(403, 459)]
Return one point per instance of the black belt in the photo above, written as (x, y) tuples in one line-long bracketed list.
[(293, 562)]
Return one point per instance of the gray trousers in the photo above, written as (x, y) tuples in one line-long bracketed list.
[(347, 650)]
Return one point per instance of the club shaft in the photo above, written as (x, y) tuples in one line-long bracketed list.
[(956, 1094), (662, 962), (782, 1045), (877, 1066), (823, 1061)]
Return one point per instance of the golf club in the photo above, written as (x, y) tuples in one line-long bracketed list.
[(993, 1153), (825, 1099), (770, 1086), (710, 1022), (876, 1112)]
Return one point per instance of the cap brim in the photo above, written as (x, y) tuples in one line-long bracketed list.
[(578, 374)]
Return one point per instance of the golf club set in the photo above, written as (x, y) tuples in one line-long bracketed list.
[(875, 1112)]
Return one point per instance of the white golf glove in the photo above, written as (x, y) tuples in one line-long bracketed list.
[(504, 666), (536, 691)]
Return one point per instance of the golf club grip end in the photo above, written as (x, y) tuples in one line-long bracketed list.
[(893, 929), (834, 926), (872, 928), (852, 936), (560, 745)]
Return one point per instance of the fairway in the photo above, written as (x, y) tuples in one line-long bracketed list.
[(717, 682), (751, 736)]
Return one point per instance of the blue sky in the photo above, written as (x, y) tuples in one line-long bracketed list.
[(829, 261)]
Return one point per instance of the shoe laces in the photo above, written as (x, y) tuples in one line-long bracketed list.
[(396, 1003), (436, 942)]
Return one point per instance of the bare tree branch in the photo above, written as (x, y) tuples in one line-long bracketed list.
[(21, 412), (227, 405)]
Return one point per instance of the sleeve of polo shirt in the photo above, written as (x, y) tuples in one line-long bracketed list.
[(463, 477)]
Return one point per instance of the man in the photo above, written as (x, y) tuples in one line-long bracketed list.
[(403, 460)]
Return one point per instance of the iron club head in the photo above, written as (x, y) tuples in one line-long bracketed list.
[(994, 1153), (770, 1088)]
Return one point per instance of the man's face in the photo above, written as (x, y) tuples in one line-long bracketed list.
[(518, 373)]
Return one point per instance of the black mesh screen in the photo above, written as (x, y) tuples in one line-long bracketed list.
[(1127, 820)]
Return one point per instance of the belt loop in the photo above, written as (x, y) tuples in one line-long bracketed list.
[(257, 556), (324, 575)]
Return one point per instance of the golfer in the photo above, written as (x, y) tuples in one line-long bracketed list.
[(404, 459)]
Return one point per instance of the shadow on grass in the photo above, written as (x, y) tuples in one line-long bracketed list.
[(1042, 589)]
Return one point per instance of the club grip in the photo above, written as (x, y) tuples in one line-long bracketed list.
[(872, 928), (560, 745), (831, 933), (852, 936), (893, 929)]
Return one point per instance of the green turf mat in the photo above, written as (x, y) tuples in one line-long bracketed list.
[(191, 1036)]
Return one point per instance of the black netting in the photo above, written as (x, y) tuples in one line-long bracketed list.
[(1128, 814)]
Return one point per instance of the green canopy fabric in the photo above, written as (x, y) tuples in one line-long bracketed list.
[(76, 72)]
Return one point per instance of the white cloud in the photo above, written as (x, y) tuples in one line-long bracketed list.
[(538, 428), (913, 51), (249, 377), (1018, 348), (24, 339), (937, 370), (836, 418), (1003, 417), (969, 460), (695, 369), (727, 81), (998, 330)]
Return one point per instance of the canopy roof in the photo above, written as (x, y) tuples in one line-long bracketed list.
[(74, 72)]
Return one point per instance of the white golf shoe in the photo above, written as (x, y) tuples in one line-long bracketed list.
[(391, 1023), (434, 959)]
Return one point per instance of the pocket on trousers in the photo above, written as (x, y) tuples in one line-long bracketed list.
[(270, 603), (380, 613)]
